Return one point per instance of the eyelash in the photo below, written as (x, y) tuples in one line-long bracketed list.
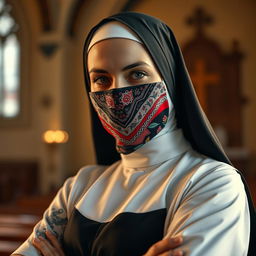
[(138, 72), (96, 79)]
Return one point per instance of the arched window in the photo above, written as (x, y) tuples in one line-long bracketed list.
[(9, 64)]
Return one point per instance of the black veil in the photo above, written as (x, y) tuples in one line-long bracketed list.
[(165, 52)]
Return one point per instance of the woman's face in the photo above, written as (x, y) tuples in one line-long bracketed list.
[(119, 62)]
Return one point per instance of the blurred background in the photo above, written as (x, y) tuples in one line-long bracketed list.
[(45, 129)]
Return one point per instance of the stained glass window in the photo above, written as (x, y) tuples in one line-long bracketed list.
[(9, 64)]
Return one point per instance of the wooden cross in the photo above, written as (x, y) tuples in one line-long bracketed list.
[(201, 79), (199, 19)]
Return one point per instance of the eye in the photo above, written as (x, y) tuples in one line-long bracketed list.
[(137, 75), (101, 80)]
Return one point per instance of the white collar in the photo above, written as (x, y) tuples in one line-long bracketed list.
[(158, 150)]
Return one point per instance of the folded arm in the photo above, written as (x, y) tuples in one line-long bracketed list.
[(213, 215)]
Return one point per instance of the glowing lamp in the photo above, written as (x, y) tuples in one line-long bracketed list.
[(55, 136)]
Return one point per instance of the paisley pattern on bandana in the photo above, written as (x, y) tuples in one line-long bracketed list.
[(133, 115)]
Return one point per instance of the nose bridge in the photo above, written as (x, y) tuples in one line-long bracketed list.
[(118, 82)]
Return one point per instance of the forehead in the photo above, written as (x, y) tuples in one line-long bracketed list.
[(117, 51)]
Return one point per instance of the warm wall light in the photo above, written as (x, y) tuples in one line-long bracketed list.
[(55, 136)]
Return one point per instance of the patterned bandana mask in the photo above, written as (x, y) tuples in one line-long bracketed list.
[(133, 115)]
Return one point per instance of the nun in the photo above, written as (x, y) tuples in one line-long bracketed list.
[(163, 184)]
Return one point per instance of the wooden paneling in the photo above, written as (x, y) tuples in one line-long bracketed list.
[(17, 179), (216, 76)]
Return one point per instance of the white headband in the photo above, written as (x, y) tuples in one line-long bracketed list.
[(113, 30)]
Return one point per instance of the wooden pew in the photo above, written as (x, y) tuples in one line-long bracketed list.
[(17, 221), (18, 234), (6, 248), (14, 230)]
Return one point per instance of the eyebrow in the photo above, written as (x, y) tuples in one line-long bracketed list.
[(136, 64)]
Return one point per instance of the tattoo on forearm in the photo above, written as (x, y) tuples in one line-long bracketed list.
[(54, 220)]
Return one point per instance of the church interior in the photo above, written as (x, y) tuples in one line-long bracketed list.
[(45, 128)]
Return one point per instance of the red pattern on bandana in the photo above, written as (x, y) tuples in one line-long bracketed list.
[(133, 115)]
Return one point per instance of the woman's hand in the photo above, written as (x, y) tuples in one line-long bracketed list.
[(166, 247), (49, 246)]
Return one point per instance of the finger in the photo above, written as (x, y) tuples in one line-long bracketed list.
[(38, 244), (44, 247), (178, 253), (163, 246), (52, 238), (172, 253)]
